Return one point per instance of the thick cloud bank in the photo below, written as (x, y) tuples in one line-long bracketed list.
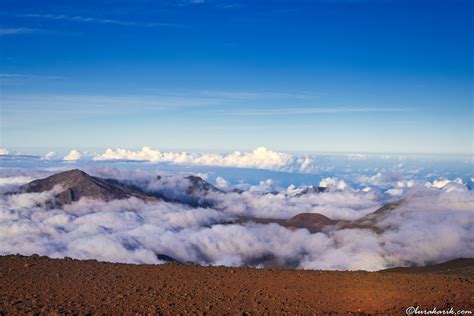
[(434, 224), (259, 158)]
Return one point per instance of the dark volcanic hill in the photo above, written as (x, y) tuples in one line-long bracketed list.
[(315, 222), (76, 184)]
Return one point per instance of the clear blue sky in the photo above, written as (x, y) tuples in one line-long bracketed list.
[(316, 76)]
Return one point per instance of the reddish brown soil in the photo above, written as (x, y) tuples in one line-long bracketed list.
[(43, 285)]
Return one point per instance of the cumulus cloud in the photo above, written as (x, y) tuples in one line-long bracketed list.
[(73, 155), (50, 156), (395, 191), (448, 185), (333, 183), (222, 183), (380, 179), (259, 158), (3, 151)]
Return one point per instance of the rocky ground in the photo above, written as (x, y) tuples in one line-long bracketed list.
[(65, 286)]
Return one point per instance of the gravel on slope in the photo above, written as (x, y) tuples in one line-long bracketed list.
[(66, 286)]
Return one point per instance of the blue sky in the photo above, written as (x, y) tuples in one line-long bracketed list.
[(302, 76)]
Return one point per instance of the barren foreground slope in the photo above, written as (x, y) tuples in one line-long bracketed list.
[(39, 284)]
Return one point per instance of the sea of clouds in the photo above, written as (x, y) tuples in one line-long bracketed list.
[(434, 224)]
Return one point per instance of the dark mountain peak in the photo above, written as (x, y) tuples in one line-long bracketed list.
[(66, 179), (195, 179), (310, 190), (374, 217), (76, 184), (199, 185), (74, 172)]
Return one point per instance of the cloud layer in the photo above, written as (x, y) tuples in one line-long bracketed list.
[(436, 223), (259, 158)]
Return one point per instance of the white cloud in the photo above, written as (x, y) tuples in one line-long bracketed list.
[(357, 157), (394, 181), (343, 204), (49, 156), (3, 151), (16, 180), (84, 19), (395, 192), (11, 183), (245, 95), (73, 155), (14, 76), (316, 110), (46, 106), (259, 158), (439, 184), (333, 184), (222, 183), (201, 175), (447, 185), (18, 30)]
